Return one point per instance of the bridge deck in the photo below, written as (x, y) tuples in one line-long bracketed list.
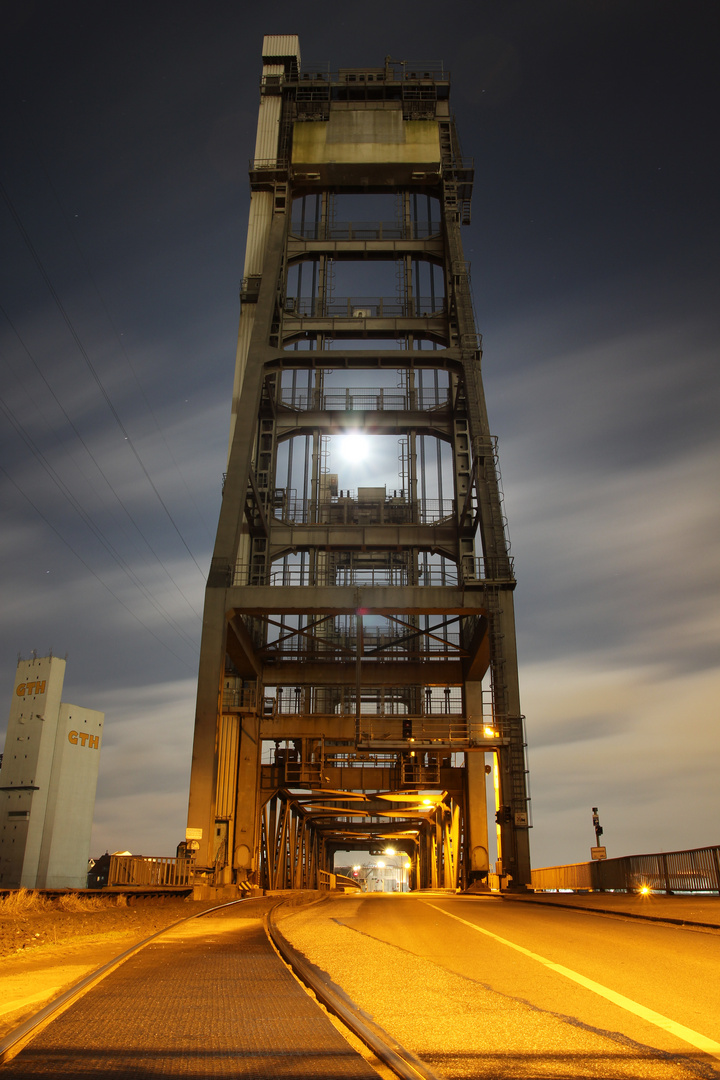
[(209, 999)]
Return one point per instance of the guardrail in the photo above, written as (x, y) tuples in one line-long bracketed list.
[(159, 872), (344, 882), (694, 870), (326, 880)]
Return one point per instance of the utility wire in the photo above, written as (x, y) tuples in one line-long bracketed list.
[(95, 461), (91, 368), (112, 551), (123, 350), (137, 618)]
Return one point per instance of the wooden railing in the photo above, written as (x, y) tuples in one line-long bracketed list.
[(159, 872)]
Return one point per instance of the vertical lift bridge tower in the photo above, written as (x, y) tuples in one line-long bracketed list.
[(358, 659)]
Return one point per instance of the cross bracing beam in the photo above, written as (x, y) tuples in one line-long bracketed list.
[(334, 672), (292, 423), (357, 642), (368, 249), (348, 600)]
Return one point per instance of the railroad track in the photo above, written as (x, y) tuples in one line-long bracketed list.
[(402, 1062), (391, 1053)]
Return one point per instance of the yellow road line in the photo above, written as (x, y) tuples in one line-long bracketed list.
[(694, 1038)]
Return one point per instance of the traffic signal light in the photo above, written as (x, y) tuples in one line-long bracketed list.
[(504, 815), (407, 728)]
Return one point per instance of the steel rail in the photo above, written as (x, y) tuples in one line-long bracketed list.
[(392, 1053), (22, 1033)]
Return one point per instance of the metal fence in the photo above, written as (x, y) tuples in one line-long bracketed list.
[(134, 870), (696, 870)]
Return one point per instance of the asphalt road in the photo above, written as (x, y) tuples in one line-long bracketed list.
[(482, 987)]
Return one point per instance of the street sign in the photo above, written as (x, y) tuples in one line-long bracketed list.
[(598, 853)]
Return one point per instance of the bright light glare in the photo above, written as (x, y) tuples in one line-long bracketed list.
[(644, 890), (389, 850), (381, 865), (354, 446)]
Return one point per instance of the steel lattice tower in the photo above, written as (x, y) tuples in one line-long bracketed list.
[(358, 656)]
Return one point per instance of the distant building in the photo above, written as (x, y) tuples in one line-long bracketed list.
[(47, 782), (98, 872)]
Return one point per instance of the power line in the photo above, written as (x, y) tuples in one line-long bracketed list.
[(85, 517), (123, 350), (94, 574), (96, 462), (91, 368)]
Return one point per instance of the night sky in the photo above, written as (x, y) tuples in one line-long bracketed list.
[(127, 130)]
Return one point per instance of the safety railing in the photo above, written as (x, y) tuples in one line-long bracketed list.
[(326, 880), (366, 399), (344, 882), (327, 571), (351, 510), (268, 164), (242, 698), (433, 705), (362, 760), (159, 872), (482, 570), (365, 230), (694, 870), (298, 575), (441, 729), (573, 876), (365, 307), (396, 71)]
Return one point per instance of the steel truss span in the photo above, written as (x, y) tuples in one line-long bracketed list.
[(358, 665)]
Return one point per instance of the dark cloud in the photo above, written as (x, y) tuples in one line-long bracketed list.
[(589, 728)]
